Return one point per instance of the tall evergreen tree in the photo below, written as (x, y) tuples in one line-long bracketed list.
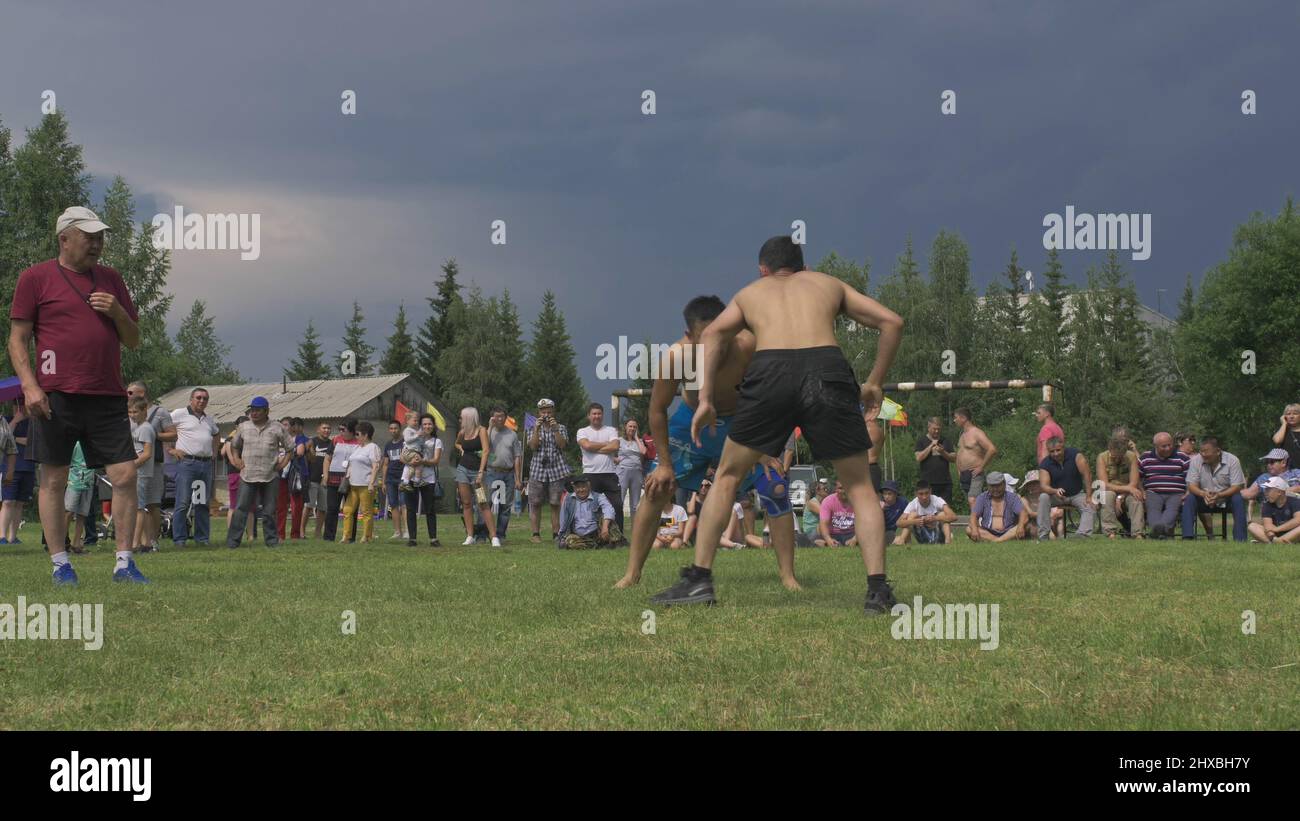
[(354, 339), (550, 369), (1048, 341), (399, 356), (201, 352), (309, 363), (510, 351), (439, 330)]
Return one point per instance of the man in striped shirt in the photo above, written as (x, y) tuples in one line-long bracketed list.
[(1164, 477)]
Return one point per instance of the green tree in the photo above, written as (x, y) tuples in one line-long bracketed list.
[(439, 330), (509, 347), (399, 356), (354, 340), (200, 351), (309, 363), (549, 368), (1047, 313)]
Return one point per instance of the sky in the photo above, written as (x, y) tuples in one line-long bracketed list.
[(766, 113)]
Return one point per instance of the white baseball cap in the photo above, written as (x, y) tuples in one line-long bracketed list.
[(1276, 483), (545, 403), (79, 217)]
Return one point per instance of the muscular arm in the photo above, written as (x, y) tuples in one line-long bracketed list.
[(662, 392), (721, 330), (864, 310)]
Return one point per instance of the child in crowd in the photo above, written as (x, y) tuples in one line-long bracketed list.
[(672, 521), (412, 452), (142, 437)]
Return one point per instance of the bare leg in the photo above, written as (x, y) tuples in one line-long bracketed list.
[(736, 463), (54, 517), (466, 507), (123, 477), (782, 530), (645, 523)]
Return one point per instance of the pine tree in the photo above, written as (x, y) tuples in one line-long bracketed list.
[(399, 356), (550, 370), (201, 352), (1048, 341), (510, 350), (309, 363), (439, 331), (354, 340)]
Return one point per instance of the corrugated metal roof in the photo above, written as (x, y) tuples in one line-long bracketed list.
[(310, 399)]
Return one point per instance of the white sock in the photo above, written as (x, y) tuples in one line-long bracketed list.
[(123, 556), (59, 559)]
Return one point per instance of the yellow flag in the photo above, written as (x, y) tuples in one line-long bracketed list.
[(437, 417)]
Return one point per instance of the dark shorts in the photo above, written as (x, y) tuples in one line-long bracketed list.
[(943, 490), (21, 489), (99, 422), (812, 388), (394, 495)]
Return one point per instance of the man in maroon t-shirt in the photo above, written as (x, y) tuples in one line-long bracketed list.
[(79, 314)]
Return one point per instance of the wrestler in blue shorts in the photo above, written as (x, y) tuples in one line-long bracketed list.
[(691, 463)]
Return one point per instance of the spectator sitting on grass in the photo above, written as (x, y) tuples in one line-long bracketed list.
[(810, 522), (585, 518), (1281, 514), (838, 521), (693, 507), (893, 507), (1276, 463), (928, 518), (672, 521), (738, 533), (998, 516)]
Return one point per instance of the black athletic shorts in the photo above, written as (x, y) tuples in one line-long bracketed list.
[(813, 388), (99, 422)]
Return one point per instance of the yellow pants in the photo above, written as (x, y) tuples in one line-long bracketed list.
[(362, 500)]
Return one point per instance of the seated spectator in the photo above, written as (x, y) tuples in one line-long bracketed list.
[(1281, 521), (893, 507), (998, 516), (1276, 463), (585, 518), (1121, 487), (838, 521), (812, 509), (1065, 478), (1028, 491), (739, 532), (672, 521), (1186, 443), (1215, 482), (1163, 473), (693, 507), (927, 517)]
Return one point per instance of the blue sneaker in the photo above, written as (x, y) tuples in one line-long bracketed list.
[(64, 574), (130, 573), (4, 541)]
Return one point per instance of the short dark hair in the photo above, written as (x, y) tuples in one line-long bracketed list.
[(496, 409), (138, 403), (196, 390), (1181, 437), (349, 424), (366, 428), (965, 413), (922, 485), (593, 406), (703, 309), (1210, 440), (781, 252), (1049, 407), (288, 419), (297, 420)]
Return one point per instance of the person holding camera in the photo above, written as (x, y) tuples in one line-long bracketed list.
[(548, 469)]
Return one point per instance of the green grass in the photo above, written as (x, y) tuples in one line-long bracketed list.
[(1095, 634)]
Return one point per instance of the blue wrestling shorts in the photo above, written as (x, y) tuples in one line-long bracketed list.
[(691, 464)]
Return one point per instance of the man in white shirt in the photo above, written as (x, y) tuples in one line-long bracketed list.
[(197, 439), (599, 443), (927, 517)]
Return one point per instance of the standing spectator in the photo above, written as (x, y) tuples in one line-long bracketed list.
[(8, 458), (974, 453), (1215, 479), (471, 469), (293, 481), (392, 472), (1066, 479), (302, 446), (363, 479), (548, 469), (1287, 436), (79, 314), (599, 443), (164, 435), (77, 498), (1046, 416), (319, 450), (927, 517), (259, 450), (998, 516), (142, 438), (1163, 471), (1121, 488), (838, 521), (197, 440), (630, 466), (505, 468), (1276, 463), (936, 455), (422, 490), (1281, 514), (334, 468), (20, 477), (894, 508), (232, 480)]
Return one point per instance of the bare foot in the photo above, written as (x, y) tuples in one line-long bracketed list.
[(791, 583), (626, 582)]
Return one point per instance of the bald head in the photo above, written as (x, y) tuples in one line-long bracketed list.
[(1164, 444)]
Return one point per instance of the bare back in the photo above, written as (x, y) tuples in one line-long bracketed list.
[(730, 373), (970, 450), (787, 311)]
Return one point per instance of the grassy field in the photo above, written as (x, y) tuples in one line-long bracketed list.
[(1093, 634)]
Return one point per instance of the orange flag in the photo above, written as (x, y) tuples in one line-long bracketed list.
[(400, 412), (511, 423)]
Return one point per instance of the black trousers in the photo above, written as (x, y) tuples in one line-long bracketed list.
[(333, 502), (607, 483), (416, 496)]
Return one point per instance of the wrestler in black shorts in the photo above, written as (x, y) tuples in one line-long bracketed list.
[(813, 388), (97, 421)]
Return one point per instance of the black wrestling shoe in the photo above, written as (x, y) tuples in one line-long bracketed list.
[(881, 601), (688, 590)]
